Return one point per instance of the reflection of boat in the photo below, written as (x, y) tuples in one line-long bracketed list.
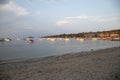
[(59, 38), (80, 39), (115, 39), (94, 39), (66, 39), (40, 39)]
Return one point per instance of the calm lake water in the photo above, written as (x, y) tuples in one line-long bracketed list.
[(22, 49)]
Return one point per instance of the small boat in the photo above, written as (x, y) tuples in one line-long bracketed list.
[(6, 39), (31, 41), (52, 39)]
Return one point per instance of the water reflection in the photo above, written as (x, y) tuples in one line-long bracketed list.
[(80, 39), (32, 39)]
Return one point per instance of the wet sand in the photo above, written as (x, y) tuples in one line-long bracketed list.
[(93, 65)]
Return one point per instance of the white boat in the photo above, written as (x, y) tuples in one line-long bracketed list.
[(6, 39), (52, 39)]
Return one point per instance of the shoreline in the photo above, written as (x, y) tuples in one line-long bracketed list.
[(24, 59), (103, 64)]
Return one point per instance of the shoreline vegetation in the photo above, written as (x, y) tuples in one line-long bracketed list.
[(101, 64), (113, 35)]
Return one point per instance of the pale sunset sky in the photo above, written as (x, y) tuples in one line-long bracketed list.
[(49, 17)]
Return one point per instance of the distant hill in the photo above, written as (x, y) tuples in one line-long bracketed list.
[(100, 34)]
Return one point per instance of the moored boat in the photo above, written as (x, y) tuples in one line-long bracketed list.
[(6, 39), (31, 41)]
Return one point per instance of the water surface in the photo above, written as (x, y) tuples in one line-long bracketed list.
[(22, 49)]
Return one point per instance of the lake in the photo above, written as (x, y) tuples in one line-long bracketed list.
[(18, 49)]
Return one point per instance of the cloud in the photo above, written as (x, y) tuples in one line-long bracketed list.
[(71, 20), (63, 22), (10, 6), (83, 17)]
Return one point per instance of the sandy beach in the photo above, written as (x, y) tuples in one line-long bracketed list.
[(93, 65)]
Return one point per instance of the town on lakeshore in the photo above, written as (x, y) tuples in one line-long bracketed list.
[(113, 35), (100, 35)]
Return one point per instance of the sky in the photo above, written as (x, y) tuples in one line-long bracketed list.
[(49, 17)]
